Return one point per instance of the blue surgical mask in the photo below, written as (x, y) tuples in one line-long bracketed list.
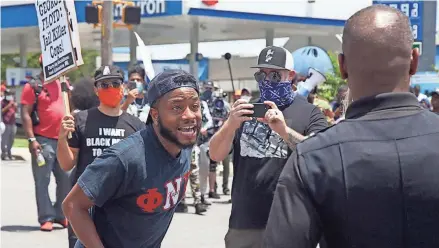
[(280, 93), (139, 86)]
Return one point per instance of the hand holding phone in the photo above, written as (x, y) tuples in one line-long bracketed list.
[(131, 85), (260, 109)]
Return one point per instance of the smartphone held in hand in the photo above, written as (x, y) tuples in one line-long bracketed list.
[(260, 109)]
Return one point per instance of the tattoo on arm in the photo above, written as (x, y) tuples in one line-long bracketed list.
[(293, 139)]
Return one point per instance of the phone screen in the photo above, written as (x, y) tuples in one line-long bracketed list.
[(131, 85)]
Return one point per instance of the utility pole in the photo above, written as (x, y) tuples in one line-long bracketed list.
[(107, 33)]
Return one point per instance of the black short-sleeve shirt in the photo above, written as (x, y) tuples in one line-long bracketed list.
[(259, 157), (95, 131)]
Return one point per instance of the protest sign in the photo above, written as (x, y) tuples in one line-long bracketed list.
[(74, 31), (55, 39), (146, 58)]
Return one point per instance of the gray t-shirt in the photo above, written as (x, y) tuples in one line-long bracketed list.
[(135, 185)]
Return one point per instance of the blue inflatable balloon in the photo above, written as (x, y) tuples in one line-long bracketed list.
[(312, 56)]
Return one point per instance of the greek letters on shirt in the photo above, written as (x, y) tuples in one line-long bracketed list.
[(107, 137), (153, 200)]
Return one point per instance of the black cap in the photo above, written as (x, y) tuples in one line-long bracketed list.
[(170, 80), (273, 57), (109, 72)]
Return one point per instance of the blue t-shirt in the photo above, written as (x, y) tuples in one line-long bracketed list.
[(135, 186)]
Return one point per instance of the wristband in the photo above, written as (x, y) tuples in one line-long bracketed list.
[(32, 139)]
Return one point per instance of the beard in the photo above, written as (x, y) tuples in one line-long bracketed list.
[(167, 134)]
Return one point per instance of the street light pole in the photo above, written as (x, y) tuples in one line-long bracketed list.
[(107, 33)]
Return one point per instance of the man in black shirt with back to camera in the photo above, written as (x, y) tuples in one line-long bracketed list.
[(371, 180), (261, 147)]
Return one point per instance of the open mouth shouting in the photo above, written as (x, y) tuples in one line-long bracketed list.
[(188, 132)]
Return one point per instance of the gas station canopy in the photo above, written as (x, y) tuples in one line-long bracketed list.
[(306, 22)]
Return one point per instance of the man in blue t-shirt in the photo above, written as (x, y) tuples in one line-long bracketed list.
[(135, 185)]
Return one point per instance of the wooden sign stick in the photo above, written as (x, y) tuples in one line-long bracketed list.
[(65, 96)]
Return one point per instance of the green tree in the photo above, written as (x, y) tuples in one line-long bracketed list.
[(85, 70), (333, 80)]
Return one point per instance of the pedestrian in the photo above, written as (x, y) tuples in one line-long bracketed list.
[(435, 101), (42, 108), (9, 108), (83, 97), (261, 146), (97, 128), (198, 171), (135, 185), (370, 180), (136, 102)]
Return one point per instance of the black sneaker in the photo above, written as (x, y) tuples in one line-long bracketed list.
[(200, 208), (214, 195), (204, 201), (3, 156), (226, 191), (181, 208)]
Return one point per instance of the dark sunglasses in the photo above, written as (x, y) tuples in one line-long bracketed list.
[(106, 85), (273, 76)]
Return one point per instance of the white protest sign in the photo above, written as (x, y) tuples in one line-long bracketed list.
[(74, 31), (146, 57), (55, 39)]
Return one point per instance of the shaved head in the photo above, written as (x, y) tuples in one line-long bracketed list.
[(377, 52)]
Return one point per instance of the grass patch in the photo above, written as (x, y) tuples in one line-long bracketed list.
[(19, 142)]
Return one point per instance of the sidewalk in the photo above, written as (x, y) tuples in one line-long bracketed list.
[(21, 153)]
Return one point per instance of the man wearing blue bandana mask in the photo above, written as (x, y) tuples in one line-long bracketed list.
[(136, 102), (262, 146)]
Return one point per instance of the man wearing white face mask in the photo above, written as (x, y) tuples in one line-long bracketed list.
[(9, 107), (136, 103), (245, 94)]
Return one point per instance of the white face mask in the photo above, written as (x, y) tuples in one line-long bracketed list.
[(247, 98), (9, 98)]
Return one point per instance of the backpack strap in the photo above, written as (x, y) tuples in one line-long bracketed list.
[(37, 86)]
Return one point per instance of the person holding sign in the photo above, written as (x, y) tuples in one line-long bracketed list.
[(136, 184), (41, 114), (98, 128)]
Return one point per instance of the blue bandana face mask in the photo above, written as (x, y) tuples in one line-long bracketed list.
[(280, 93)]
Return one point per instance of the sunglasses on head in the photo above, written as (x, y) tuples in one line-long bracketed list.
[(273, 76), (106, 85)]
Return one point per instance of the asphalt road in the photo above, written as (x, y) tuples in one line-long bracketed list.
[(19, 226)]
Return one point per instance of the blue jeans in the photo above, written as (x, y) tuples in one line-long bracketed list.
[(46, 210)]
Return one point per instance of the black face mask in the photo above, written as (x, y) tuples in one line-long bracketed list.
[(207, 94)]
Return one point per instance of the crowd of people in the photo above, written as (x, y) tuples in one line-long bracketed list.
[(360, 171)]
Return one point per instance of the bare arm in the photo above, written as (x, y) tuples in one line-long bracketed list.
[(292, 138), (75, 208), (67, 156), (221, 142), (125, 105), (26, 110), (129, 99), (10, 104)]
